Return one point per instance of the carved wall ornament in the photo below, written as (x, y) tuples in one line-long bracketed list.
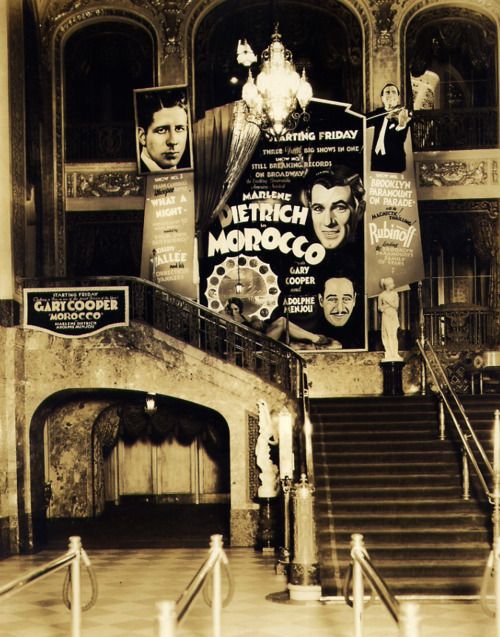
[(87, 184), (169, 14), (452, 173), (384, 24)]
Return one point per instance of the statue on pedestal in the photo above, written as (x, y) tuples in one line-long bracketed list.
[(388, 304), (268, 435)]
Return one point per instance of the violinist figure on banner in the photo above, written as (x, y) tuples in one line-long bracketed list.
[(391, 125)]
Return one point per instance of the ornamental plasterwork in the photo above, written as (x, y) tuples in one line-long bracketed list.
[(87, 184), (452, 173), (169, 14)]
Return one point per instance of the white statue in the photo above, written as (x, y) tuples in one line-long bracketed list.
[(268, 435), (388, 304)]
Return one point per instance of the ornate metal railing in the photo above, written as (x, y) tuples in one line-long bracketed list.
[(461, 129), (196, 325), (462, 326)]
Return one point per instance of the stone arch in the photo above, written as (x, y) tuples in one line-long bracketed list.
[(424, 11), (355, 11)]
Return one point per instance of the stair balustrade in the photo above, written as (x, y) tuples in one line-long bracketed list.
[(200, 327), (72, 559), (405, 614), (472, 450)]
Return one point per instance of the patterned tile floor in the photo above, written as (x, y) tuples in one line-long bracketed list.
[(130, 582)]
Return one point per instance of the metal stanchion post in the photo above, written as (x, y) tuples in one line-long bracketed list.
[(409, 620), (167, 619), (284, 556), (75, 545), (216, 545), (465, 473), (421, 329), (358, 592), (442, 430), (496, 518)]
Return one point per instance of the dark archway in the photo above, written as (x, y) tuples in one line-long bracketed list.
[(103, 63), (326, 41), (74, 450)]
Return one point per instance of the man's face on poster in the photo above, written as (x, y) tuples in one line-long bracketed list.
[(166, 137), (390, 97), (338, 300), (331, 209)]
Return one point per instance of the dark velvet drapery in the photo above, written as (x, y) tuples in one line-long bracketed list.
[(224, 143)]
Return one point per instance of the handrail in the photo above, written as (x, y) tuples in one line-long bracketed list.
[(171, 614), (199, 326), (464, 437), (404, 614), (72, 558)]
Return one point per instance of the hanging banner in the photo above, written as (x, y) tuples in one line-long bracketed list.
[(75, 312), (392, 228), (287, 252), (168, 236)]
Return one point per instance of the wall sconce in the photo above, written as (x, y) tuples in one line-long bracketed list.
[(150, 407)]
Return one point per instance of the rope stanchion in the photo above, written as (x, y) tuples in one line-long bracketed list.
[(210, 574), (72, 560)]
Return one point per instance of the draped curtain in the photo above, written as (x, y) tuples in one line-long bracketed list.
[(224, 142)]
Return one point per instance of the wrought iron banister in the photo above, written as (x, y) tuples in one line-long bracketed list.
[(449, 398), (199, 326)]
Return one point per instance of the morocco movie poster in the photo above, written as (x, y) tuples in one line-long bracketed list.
[(290, 241)]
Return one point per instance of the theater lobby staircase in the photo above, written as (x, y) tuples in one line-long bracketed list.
[(382, 471)]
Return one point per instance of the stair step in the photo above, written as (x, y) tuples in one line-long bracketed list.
[(473, 552), (395, 494), (413, 535), (407, 506), (384, 479)]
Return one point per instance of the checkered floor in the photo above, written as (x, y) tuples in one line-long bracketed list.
[(131, 582)]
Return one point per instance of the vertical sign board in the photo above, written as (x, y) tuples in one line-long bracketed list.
[(289, 235), (168, 235), (75, 312), (392, 228), (165, 156)]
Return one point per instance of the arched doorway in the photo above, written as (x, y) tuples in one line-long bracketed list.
[(119, 477)]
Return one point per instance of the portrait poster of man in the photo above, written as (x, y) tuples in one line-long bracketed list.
[(289, 244), (163, 130)]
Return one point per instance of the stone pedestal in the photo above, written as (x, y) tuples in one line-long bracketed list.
[(267, 527), (393, 377)]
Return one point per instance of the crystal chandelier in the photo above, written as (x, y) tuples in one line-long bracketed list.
[(273, 97)]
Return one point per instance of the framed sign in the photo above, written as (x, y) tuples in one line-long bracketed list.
[(75, 312)]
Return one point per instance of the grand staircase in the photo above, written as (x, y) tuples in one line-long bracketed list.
[(381, 470)]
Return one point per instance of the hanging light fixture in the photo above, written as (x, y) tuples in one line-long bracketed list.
[(238, 287), (150, 407), (274, 96)]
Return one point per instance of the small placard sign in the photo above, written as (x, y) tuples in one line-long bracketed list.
[(75, 312)]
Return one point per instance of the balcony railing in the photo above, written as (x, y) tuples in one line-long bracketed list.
[(100, 142), (459, 326), (455, 130), (196, 325)]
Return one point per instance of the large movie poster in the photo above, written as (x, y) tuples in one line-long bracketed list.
[(286, 256)]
